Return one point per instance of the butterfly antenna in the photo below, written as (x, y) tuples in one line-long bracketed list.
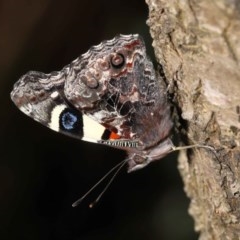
[(109, 183), (119, 166)]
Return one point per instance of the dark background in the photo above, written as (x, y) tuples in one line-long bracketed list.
[(43, 172)]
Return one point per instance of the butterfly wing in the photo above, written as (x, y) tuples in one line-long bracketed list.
[(41, 97), (110, 95), (119, 88)]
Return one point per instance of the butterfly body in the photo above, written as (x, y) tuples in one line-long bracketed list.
[(110, 95)]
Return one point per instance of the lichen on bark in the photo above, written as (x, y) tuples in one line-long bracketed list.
[(198, 45)]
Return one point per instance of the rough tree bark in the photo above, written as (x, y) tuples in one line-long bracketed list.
[(198, 44)]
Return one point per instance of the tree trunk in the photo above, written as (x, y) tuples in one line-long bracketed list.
[(197, 42)]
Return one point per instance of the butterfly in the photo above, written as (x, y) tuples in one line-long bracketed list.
[(110, 95)]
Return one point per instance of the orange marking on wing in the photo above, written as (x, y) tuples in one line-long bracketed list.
[(114, 135)]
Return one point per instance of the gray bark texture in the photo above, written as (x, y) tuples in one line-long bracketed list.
[(198, 44)]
